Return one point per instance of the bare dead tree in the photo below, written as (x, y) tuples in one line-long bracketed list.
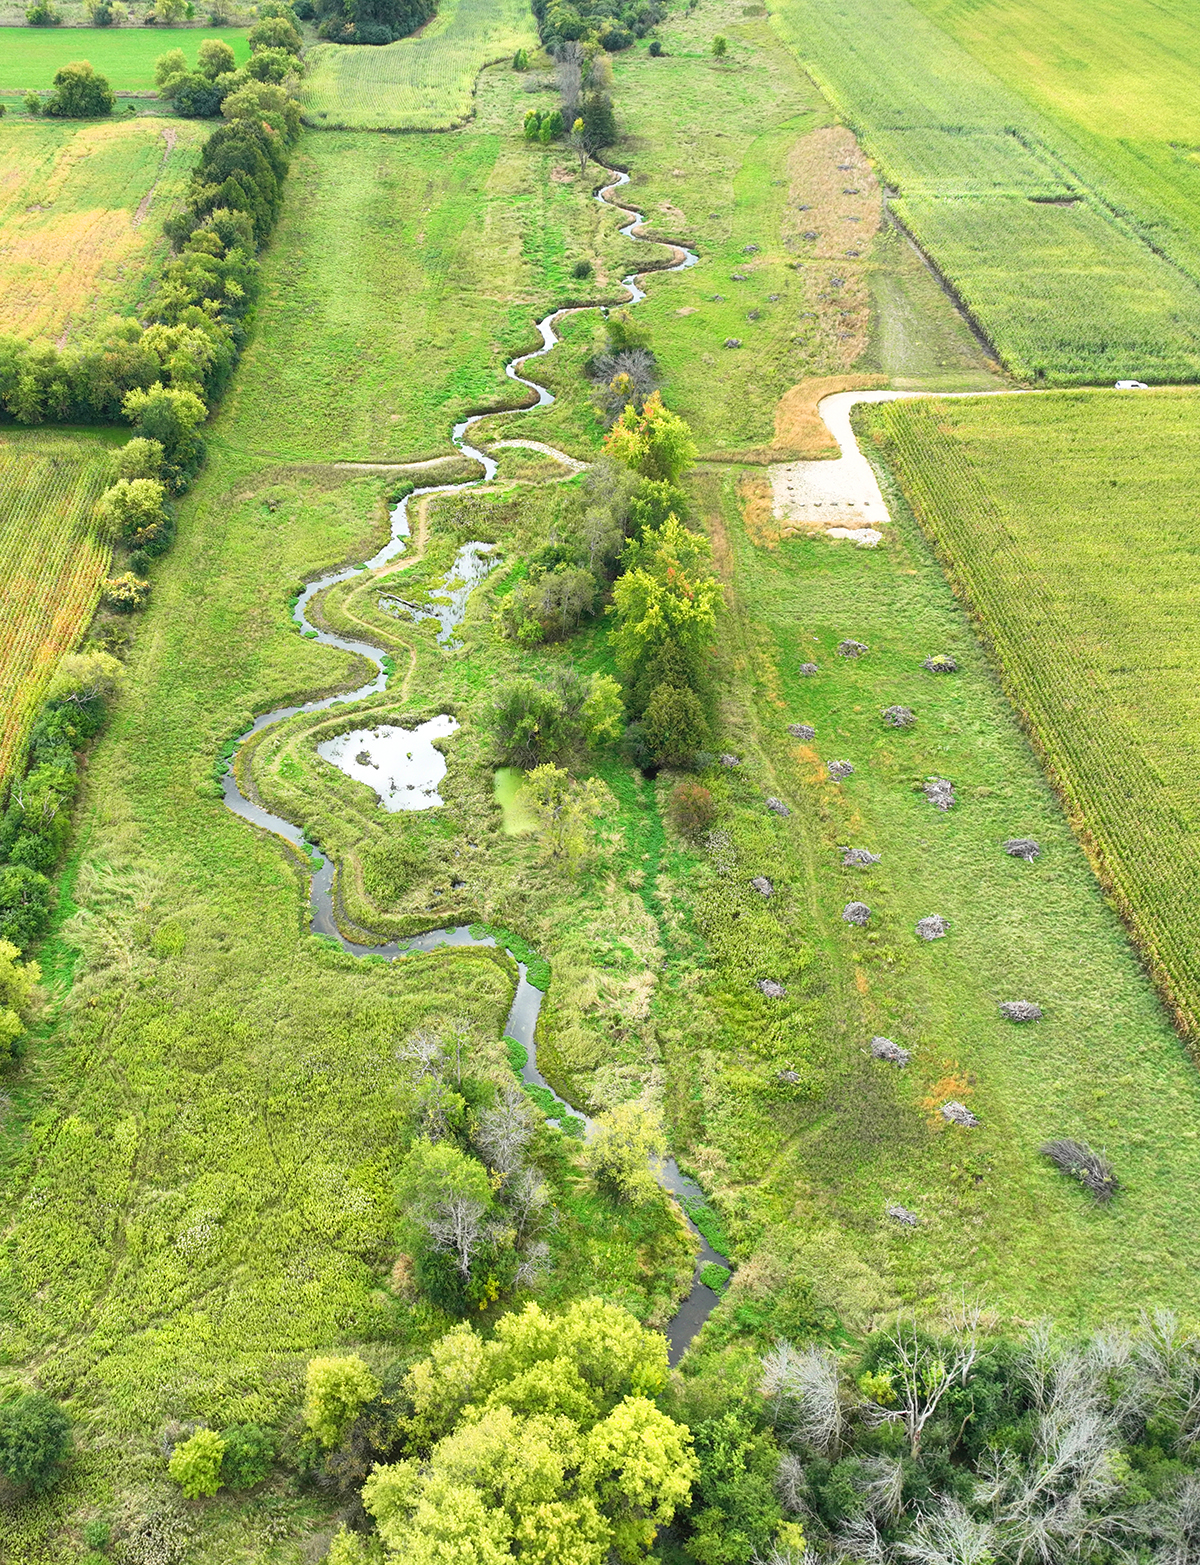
[(528, 1201), (457, 1046), (569, 59), (1175, 1524), (924, 1370), (804, 1390), (950, 1535), (790, 1482), (505, 1131), (424, 1050), (457, 1227), (534, 1265)]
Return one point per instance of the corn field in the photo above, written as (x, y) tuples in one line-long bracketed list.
[(1083, 595), (51, 567)]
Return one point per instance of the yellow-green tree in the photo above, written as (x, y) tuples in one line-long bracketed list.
[(335, 1390), (656, 443), (619, 1150), (17, 983), (544, 1446), (563, 808)]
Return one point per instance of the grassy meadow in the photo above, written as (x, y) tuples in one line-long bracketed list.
[(979, 161), (404, 278), (51, 563), (29, 56), (1084, 592), (426, 82), (81, 214), (199, 1153)]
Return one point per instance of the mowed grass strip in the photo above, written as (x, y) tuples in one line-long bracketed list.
[(51, 564), (82, 209), (1068, 524), (426, 82), (29, 56), (1104, 1063)]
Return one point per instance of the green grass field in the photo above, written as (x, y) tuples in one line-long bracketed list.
[(426, 82), (991, 108), (29, 56), (1083, 589), (403, 278)]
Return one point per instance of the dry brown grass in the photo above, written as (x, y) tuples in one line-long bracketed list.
[(81, 215)]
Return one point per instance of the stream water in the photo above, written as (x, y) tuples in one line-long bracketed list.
[(392, 744)]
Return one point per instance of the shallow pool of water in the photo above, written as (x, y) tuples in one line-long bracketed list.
[(400, 764), (506, 787), (448, 603)]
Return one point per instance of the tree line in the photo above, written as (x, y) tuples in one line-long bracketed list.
[(162, 375)]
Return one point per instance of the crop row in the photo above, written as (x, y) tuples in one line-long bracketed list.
[(1104, 286), (51, 567)]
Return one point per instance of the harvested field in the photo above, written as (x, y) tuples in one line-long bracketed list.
[(81, 215), (51, 564)]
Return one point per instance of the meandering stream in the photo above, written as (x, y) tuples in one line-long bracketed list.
[(523, 1015)]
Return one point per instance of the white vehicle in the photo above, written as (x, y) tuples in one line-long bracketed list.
[(1131, 385)]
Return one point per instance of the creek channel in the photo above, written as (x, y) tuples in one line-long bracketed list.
[(522, 1017)]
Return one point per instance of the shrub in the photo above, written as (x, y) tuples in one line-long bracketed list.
[(17, 983), (275, 32), (97, 1534), (656, 48), (719, 47), (521, 60), (675, 725), (248, 1456), (134, 510), (35, 1441), (692, 808), (43, 15), (138, 458), (215, 58), (195, 1465), (24, 904), (33, 103), (79, 93), (335, 1390), (195, 97), (126, 594), (582, 270), (618, 1154)]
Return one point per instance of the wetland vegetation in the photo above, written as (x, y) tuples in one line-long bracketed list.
[(817, 854)]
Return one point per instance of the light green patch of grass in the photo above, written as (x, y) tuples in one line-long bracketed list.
[(426, 82), (406, 271), (29, 56)]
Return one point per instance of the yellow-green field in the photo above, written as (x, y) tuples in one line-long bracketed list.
[(82, 208), (1068, 523), (51, 563), (1071, 136), (426, 82)]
